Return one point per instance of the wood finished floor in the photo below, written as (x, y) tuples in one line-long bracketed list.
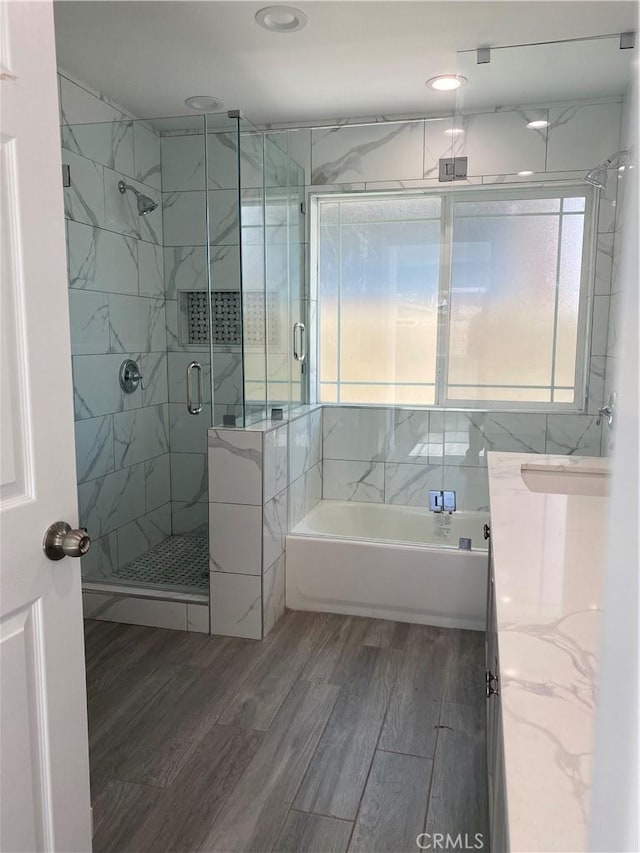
[(336, 733)]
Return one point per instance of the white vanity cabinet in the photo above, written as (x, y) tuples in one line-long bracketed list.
[(498, 840)]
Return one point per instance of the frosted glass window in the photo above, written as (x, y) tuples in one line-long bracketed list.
[(501, 322), (515, 287), (512, 207), (378, 282)]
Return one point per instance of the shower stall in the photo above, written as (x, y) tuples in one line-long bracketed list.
[(185, 246)]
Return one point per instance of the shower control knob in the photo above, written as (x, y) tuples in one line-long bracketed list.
[(61, 541)]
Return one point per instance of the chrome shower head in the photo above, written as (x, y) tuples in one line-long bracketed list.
[(597, 177), (145, 204)]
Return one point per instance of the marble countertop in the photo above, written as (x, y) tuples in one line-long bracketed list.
[(548, 555)]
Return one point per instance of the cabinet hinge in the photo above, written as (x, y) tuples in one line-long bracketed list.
[(491, 683)]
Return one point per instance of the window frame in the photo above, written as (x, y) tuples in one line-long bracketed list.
[(448, 196)]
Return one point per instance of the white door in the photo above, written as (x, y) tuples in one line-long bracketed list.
[(44, 766)]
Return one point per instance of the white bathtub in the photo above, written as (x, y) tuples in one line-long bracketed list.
[(389, 562)]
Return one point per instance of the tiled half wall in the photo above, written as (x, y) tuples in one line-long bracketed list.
[(262, 481)]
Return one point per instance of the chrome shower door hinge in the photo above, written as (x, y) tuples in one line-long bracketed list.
[(441, 501), (452, 168), (627, 41)]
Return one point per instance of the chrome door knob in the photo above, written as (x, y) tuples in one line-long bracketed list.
[(61, 541)]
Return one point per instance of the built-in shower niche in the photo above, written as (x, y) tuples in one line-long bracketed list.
[(222, 324)]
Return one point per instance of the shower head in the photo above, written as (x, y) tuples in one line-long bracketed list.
[(145, 204), (597, 177)]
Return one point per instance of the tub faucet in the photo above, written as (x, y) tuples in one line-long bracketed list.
[(607, 410)]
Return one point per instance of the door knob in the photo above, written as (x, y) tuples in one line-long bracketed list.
[(61, 541)]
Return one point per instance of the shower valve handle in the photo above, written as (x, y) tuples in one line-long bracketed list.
[(130, 376)]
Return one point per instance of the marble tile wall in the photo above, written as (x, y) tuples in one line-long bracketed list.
[(186, 615), (262, 480), (499, 145), (397, 455), (617, 186), (305, 464), (117, 311), (236, 510), (185, 265), (185, 198)]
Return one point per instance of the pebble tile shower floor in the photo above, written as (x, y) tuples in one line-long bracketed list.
[(179, 561)]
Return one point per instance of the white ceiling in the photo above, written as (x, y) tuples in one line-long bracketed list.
[(352, 59)]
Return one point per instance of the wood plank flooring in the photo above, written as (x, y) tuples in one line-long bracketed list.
[(336, 733)]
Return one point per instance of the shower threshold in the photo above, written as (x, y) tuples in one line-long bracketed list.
[(178, 563)]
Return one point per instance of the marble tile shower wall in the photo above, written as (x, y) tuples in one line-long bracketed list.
[(396, 456), (404, 155), (185, 197), (116, 294), (184, 214)]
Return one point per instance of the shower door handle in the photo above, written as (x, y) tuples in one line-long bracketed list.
[(300, 355), (194, 408)]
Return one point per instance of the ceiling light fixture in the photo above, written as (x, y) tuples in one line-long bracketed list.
[(446, 82), (204, 103), (281, 19), (537, 124)]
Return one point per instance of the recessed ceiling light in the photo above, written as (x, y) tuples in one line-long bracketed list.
[(204, 103), (454, 131), (281, 19), (537, 124), (446, 82), (525, 172)]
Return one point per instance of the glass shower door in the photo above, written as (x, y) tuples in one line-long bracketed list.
[(298, 297), (251, 206), (286, 308)]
